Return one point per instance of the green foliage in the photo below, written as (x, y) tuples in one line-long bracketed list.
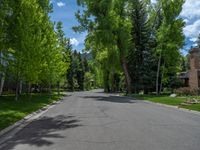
[(135, 30), (76, 72), (89, 81), (31, 50), (141, 53), (108, 34), (168, 44)]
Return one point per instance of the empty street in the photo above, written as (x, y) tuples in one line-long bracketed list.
[(98, 121)]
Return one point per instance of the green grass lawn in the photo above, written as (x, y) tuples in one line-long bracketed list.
[(11, 111), (163, 99)]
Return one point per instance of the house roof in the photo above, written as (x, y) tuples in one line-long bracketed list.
[(184, 75)]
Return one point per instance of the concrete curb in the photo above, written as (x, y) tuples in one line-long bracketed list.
[(8, 132)]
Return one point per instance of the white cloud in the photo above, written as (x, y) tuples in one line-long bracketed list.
[(192, 30), (191, 16), (195, 44), (186, 21), (74, 41), (153, 1), (60, 4), (193, 39), (191, 9)]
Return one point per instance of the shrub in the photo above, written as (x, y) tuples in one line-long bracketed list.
[(186, 91)]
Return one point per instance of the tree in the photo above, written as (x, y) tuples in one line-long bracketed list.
[(64, 46), (46, 6), (70, 74), (26, 42), (80, 73), (4, 9), (168, 45), (141, 55), (110, 28)]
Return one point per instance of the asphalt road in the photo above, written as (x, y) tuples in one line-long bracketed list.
[(98, 121)]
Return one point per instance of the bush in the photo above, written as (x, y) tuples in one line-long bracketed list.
[(186, 91)]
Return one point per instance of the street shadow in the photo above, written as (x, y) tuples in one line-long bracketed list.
[(39, 132), (113, 99)]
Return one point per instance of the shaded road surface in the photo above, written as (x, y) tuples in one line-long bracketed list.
[(98, 121)]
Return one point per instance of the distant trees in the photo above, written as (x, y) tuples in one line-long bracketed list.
[(135, 46), (140, 39), (80, 75)]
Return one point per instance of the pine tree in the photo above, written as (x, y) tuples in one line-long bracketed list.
[(80, 73), (140, 53), (70, 74)]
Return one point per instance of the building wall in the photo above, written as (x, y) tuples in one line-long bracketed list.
[(194, 67)]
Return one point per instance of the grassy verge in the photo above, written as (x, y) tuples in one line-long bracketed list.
[(168, 101), (11, 111)]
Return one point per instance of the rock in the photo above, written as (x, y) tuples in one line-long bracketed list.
[(173, 95)]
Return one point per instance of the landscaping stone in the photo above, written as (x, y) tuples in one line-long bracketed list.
[(173, 95)]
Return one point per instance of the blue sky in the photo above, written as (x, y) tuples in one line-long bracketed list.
[(64, 11)]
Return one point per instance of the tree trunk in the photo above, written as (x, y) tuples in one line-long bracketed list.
[(158, 75), (161, 84), (50, 90), (2, 77), (29, 88), (17, 91), (2, 83), (20, 87), (127, 76), (106, 81), (58, 88)]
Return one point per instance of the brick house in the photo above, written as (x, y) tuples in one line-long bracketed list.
[(192, 77)]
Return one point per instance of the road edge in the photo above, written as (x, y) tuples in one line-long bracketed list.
[(8, 132), (165, 105)]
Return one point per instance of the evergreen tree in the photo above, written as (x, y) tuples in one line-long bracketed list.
[(86, 65), (140, 53), (80, 73), (70, 74)]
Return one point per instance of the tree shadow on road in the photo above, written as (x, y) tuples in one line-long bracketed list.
[(113, 99), (39, 132)]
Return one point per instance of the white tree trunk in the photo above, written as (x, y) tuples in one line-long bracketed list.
[(158, 75), (2, 83), (20, 87)]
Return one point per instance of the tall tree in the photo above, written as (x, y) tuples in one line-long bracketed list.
[(64, 46), (80, 73), (168, 45), (110, 27), (4, 9), (140, 53)]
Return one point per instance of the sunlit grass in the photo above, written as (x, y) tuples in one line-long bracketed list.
[(163, 99), (12, 111)]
